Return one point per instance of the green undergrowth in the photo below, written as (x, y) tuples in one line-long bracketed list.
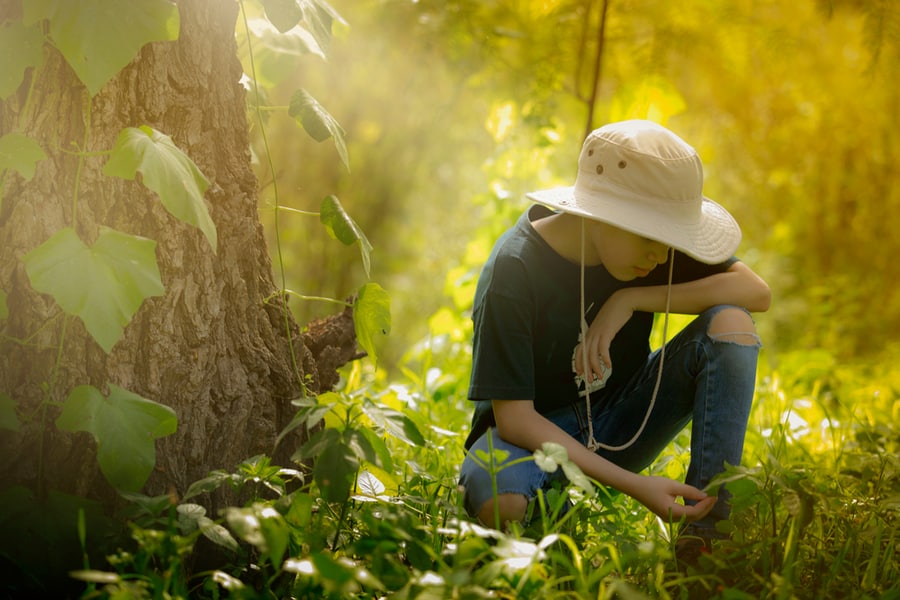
[(370, 506)]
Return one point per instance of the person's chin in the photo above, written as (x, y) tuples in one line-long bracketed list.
[(625, 275)]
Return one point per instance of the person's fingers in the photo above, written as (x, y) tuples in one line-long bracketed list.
[(579, 359), (597, 364), (700, 509), (689, 492)]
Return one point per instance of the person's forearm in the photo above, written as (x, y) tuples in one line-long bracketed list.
[(738, 286), (530, 430), (518, 423)]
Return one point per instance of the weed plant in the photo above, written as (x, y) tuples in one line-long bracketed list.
[(378, 515)]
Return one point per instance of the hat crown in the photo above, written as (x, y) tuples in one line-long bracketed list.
[(643, 161), (640, 177)]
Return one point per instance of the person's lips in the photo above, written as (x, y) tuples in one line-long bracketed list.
[(642, 272)]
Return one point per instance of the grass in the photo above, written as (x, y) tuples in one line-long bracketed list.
[(815, 513)]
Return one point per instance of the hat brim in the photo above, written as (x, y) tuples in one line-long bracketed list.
[(711, 239)]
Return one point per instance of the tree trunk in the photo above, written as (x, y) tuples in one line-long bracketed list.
[(216, 347)]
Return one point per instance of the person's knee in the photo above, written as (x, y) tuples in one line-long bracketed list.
[(733, 325), (509, 507)]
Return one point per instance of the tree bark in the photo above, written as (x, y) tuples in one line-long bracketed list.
[(216, 347)]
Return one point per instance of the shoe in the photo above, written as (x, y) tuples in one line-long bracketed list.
[(689, 549), (694, 542)]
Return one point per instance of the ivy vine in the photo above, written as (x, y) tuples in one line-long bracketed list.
[(105, 284)]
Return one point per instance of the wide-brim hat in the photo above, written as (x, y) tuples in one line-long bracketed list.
[(639, 176)]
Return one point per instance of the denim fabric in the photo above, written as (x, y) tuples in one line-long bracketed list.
[(706, 382)]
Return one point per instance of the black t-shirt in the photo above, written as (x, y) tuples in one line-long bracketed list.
[(526, 322)]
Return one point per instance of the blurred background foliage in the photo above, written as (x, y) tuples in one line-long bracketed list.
[(452, 109)]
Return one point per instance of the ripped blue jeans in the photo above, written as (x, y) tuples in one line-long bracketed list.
[(707, 382)]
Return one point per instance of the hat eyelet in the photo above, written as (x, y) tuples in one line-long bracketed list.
[(622, 164), (599, 169), (591, 152)]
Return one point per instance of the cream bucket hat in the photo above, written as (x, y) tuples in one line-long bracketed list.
[(639, 176)]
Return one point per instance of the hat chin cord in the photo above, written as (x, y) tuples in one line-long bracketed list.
[(592, 444)]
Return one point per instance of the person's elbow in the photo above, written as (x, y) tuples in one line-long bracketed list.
[(761, 297), (757, 297), (510, 415)]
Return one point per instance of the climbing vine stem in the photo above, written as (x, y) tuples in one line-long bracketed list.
[(271, 166)]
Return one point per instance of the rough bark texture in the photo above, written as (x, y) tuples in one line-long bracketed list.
[(211, 348)]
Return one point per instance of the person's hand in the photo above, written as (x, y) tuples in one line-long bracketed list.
[(609, 321), (660, 495)]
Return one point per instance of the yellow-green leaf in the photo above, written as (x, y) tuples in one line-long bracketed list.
[(318, 122), (103, 285), (166, 170), (371, 316), (125, 427), (21, 47), (21, 153), (343, 228), (99, 37)]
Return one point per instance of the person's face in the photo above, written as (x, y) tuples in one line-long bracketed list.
[(626, 255)]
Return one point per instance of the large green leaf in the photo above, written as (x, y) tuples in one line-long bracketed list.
[(394, 423), (383, 455), (125, 427), (104, 285), (262, 526), (166, 170), (193, 516), (99, 37), (318, 122), (316, 17), (283, 14), (21, 153), (21, 47), (335, 471), (341, 227), (335, 463), (310, 413), (317, 443), (371, 316)]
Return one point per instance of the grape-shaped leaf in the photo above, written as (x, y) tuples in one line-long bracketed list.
[(21, 47), (21, 153), (125, 427), (166, 170), (99, 37), (371, 316), (104, 285)]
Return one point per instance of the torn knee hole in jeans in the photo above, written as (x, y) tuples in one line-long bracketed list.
[(742, 338), (735, 327)]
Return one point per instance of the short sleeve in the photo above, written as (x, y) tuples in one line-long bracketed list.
[(503, 322)]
